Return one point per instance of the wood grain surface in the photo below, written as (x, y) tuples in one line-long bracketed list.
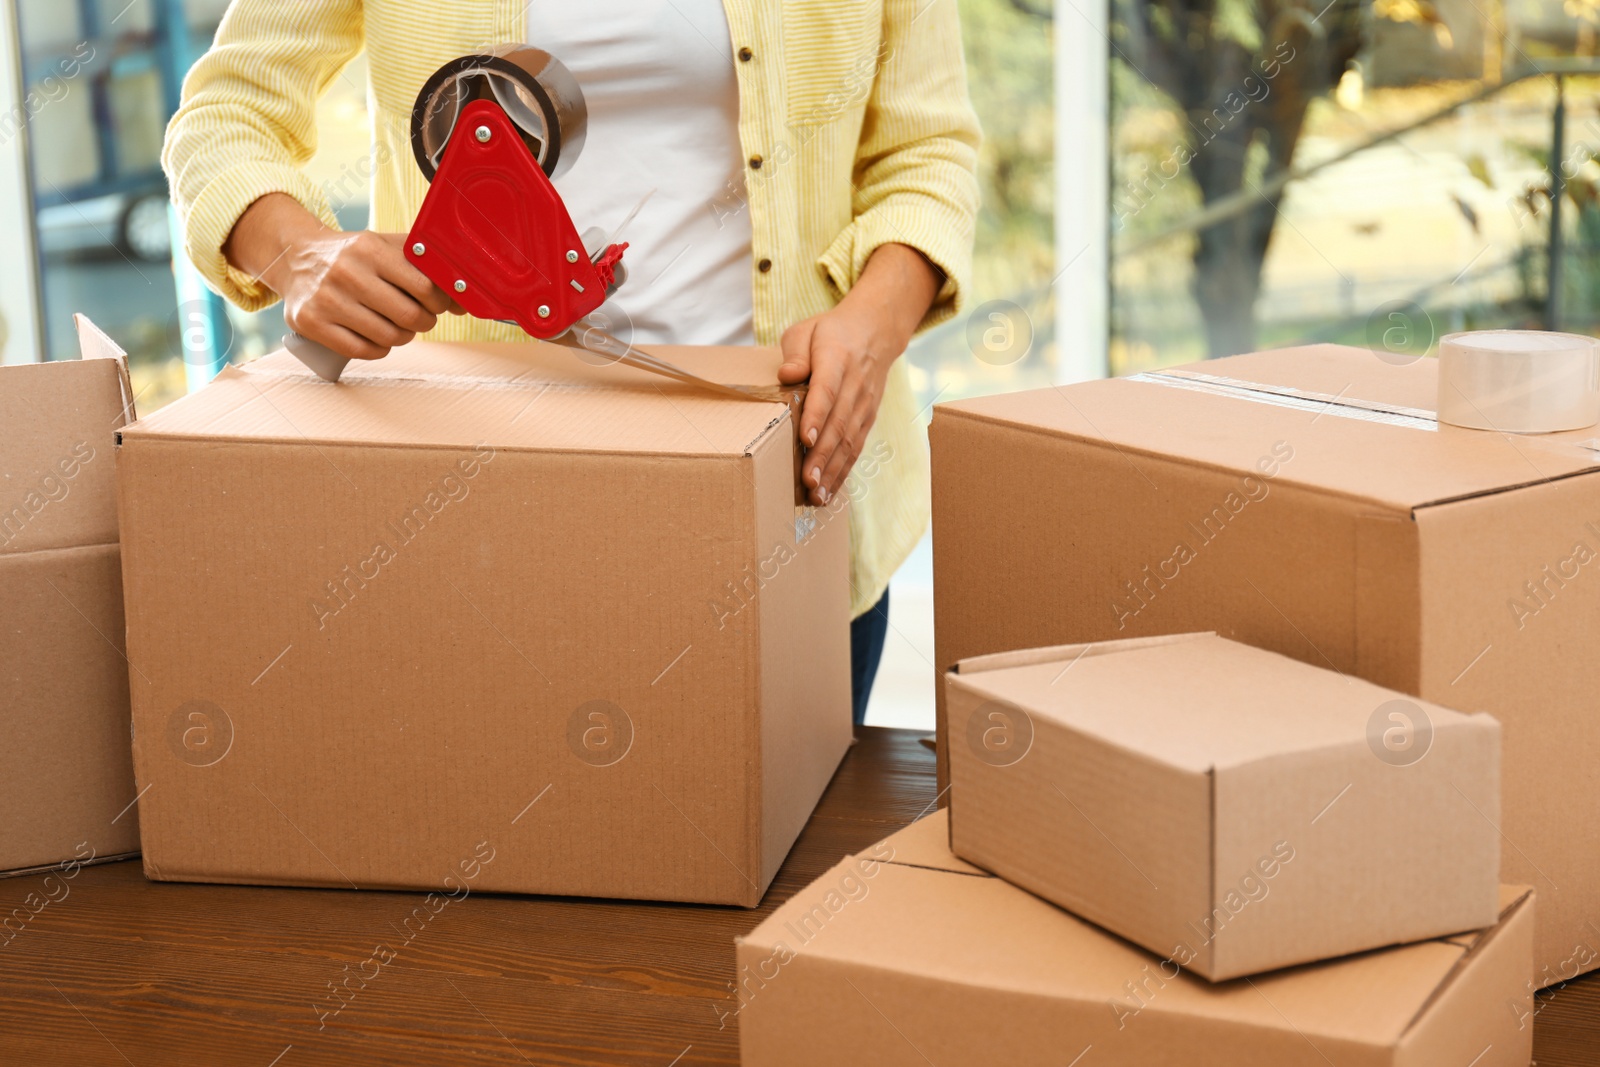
[(122, 971)]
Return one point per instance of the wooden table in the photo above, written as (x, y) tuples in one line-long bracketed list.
[(129, 972)]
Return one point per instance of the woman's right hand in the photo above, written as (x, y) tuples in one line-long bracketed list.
[(356, 293)]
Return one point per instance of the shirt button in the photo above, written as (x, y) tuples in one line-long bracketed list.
[(745, 55), (755, 162), (764, 266)]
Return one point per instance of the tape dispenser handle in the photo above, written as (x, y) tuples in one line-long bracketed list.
[(323, 361)]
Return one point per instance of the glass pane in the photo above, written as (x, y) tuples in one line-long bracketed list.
[(138, 120), (1007, 338), (1006, 341), (101, 84), (93, 147), (117, 17), (1419, 136)]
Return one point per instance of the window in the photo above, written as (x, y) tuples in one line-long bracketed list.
[(101, 80), (1374, 175)]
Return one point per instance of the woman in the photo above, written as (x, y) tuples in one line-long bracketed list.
[(812, 165)]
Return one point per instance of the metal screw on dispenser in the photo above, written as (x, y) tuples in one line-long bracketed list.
[(572, 257), (461, 286), (482, 134), (418, 249), (544, 311)]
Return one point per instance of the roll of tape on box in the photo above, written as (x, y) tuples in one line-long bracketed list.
[(1519, 381), (536, 90)]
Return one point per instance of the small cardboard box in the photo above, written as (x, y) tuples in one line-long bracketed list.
[(1230, 809), (1305, 501), (481, 600), (66, 775), (903, 955)]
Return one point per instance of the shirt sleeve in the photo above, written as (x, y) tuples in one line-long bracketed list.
[(247, 124), (915, 175)]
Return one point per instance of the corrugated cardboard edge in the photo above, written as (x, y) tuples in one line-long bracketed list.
[(286, 441), (1209, 954), (925, 843), (1239, 392), (95, 343), (46, 868), (799, 742), (1124, 450), (1388, 600), (1451, 1016), (786, 414), (1027, 657)]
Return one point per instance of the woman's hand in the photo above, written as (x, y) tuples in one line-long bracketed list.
[(846, 352), (356, 293)]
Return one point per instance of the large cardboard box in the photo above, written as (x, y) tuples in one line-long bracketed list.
[(66, 775), (481, 601), (905, 955), (1232, 810), (1305, 501)]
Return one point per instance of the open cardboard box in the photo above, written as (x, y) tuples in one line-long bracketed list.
[(481, 600), (1305, 501), (904, 955), (66, 774)]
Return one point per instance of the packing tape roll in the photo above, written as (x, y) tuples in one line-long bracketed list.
[(1519, 381), (534, 88)]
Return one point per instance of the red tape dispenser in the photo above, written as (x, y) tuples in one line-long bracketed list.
[(490, 132)]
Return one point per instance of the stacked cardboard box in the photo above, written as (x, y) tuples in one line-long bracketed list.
[(906, 955), (1306, 502), (1305, 864), (1230, 809), (66, 776), (486, 606)]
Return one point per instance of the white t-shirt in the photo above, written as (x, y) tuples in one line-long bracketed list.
[(663, 97)]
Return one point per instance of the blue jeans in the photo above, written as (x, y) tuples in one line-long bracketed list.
[(866, 652)]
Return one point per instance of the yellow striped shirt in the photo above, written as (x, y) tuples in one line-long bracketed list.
[(858, 108)]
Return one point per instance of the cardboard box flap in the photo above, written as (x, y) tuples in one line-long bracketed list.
[(537, 397), (58, 422), (1203, 702), (926, 843), (1513, 898), (1067, 654), (986, 932), (1359, 426), (94, 343)]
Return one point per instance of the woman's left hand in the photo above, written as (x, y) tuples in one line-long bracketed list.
[(846, 352)]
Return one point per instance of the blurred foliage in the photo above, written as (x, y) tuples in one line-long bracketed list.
[(1583, 10), (1219, 94), (1420, 12), (1240, 75), (1010, 73), (1011, 78), (1580, 229)]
